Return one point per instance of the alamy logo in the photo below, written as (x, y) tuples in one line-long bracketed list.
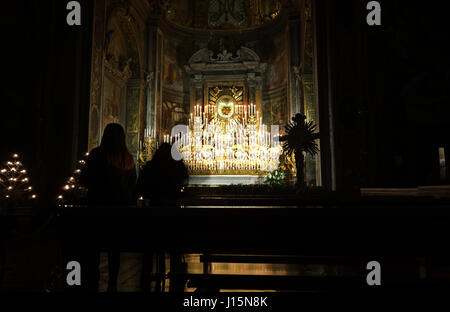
[(374, 276), (374, 16), (74, 16), (178, 129), (74, 275)]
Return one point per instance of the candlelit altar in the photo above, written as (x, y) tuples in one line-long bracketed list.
[(228, 138), (226, 141)]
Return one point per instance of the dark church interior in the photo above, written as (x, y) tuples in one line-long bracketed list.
[(209, 146)]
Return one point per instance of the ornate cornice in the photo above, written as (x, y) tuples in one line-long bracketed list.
[(245, 59)]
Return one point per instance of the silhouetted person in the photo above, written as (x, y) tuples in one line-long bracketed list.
[(161, 182), (110, 176), (162, 178)]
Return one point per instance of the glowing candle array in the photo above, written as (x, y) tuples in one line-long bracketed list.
[(14, 184), (72, 189), (149, 133), (239, 145)]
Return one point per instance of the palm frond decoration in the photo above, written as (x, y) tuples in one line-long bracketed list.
[(300, 137)]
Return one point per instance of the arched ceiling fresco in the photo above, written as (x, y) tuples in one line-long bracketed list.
[(222, 14)]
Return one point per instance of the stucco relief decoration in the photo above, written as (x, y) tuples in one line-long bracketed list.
[(207, 56), (226, 57)]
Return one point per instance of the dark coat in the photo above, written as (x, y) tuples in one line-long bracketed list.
[(108, 185), (161, 181)]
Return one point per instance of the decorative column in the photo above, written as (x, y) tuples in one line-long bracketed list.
[(294, 34), (198, 91), (258, 94), (153, 79), (150, 109), (310, 113), (307, 77), (196, 96), (251, 91), (134, 98), (254, 90), (297, 102), (150, 116), (95, 111)]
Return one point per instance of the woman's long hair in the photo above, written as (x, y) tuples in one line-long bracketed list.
[(115, 147)]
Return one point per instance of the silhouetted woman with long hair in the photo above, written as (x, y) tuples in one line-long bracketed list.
[(110, 177), (110, 170)]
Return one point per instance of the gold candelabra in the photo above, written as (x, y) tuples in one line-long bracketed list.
[(230, 139), (148, 146)]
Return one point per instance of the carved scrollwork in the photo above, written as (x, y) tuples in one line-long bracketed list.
[(207, 56)]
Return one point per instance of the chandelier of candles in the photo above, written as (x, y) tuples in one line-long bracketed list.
[(229, 140), (14, 182)]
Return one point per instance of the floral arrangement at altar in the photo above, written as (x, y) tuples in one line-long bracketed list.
[(277, 176)]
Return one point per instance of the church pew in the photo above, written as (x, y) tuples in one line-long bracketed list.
[(281, 231)]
